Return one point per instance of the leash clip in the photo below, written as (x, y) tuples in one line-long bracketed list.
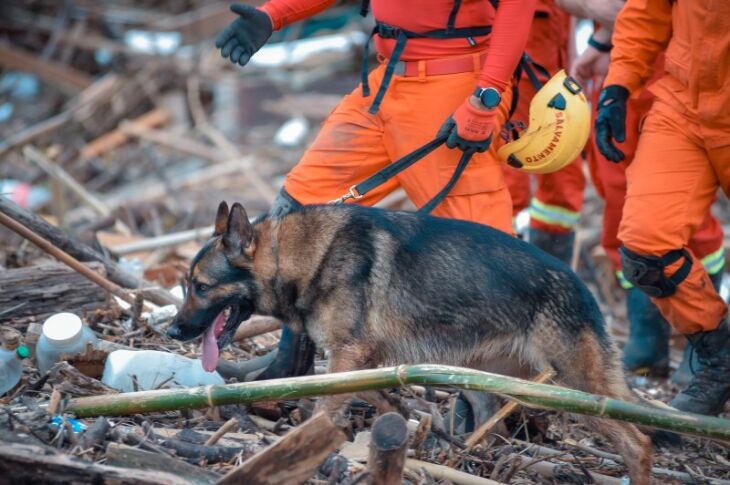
[(351, 194)]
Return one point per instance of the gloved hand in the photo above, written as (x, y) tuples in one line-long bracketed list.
[(611, 121), (470, 128), (245, 35)]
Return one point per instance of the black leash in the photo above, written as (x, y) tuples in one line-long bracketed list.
[(358, 191)]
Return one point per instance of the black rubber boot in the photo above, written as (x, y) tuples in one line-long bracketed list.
[(683, 375), (647, 350), (295, 356), (709, 388), (559, 245)]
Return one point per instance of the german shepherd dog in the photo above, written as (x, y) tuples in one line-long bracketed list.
[(377, 287)]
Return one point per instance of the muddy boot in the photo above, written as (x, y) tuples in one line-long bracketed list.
[(683, 375), (709, 388), (559, 245), (647, 350)]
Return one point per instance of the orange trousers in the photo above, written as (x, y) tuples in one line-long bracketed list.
[(672, 182), (353, 144), (558, 198)]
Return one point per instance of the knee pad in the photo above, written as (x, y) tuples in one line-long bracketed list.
[(283, 204), (647, 272)]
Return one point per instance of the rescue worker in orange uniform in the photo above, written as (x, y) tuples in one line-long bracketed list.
[(647, 349), (682, 157), (555, 206), (447, 67)]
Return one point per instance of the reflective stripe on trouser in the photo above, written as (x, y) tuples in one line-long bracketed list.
[(666, 203), (713, 263), (553, 215), (354, 144)]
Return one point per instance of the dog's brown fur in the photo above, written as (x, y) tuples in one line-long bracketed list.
[(342, 275)]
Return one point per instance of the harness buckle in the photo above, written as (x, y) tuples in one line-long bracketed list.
[(386, 31)]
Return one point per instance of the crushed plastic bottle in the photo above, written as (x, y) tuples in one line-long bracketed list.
[(63, 333), (143, 370), (11, 367)]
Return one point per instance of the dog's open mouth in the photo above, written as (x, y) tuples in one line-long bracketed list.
[(218, 335)]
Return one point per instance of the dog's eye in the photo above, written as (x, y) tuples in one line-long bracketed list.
[(201, 287)]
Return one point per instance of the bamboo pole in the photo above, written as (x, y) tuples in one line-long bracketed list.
[(478, 435), (527, 393)]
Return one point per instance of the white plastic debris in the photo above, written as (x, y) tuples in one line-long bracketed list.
[(143, 370), (292, 133)]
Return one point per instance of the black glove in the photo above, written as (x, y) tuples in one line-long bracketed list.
[(449, 131), (245, 35), (611, 121)]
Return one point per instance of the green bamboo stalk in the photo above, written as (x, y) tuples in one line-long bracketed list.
[(528, 393)]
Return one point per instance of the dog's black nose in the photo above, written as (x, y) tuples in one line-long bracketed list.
[(174, 331)]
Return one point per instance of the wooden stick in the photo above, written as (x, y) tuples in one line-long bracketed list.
[(165, 241), (68, 79), (82, 252), (294, 458), (66, 258), (256, 325), (387, 450), (550, 470), (440, 472), (172, 141), (229, 425), (58, 173), (117, 137), (34, 131), (478, 435)]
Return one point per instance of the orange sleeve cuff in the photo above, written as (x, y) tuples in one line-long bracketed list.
[(285, 12), (623, 77)]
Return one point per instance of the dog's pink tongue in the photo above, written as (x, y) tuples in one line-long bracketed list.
[(210, 350)]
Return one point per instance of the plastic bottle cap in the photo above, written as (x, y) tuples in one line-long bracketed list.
[(62, 328), (22, 352)]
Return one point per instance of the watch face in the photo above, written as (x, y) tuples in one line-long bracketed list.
[(490, 98)]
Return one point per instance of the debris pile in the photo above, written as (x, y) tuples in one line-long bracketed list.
[(120, 131)]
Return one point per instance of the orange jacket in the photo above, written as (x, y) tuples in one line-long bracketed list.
[(696, 34), (511, 25)]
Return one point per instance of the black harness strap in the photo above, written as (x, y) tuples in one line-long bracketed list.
[(401, 37)]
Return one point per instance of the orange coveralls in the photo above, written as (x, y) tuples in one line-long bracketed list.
[(353, 143), (610, 181), (556, 204), (683, 154)]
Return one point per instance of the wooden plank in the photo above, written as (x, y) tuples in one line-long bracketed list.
[(131, 457), (25, 463), (294, 458), (113, 139), (67, 78)]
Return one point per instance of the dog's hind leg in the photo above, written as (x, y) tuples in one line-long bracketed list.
[(593, 366)]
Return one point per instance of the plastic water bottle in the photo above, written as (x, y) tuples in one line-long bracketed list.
[(11, 368), (63, 333), (152, 369)]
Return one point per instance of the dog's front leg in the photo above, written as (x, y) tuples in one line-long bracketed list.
[(343, 359)]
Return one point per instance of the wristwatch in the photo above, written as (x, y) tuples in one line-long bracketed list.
[(489, 97)]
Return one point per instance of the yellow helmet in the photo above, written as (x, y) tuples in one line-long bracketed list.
[(560, 122)]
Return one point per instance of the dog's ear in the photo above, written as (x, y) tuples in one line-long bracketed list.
[(238, 235), (221, 219)]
